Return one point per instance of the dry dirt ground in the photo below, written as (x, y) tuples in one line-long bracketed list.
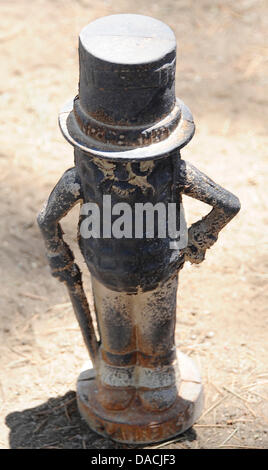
[(222, 322)]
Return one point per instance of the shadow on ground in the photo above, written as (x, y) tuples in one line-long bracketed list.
[(56, 424)]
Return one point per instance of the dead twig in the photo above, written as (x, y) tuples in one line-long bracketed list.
[(213, 406), (251, 410), (67, 414), (166, 443), (41, 425), (51, 410), (235, 394), (32, 296), (241, 398), (229, 437), (59, 328), (65, 404), (211, 426), (216, 387), (241, 447), (11, 34), (58, 306), (254, 385)]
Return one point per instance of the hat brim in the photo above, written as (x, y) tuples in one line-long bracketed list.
[(180, 136)]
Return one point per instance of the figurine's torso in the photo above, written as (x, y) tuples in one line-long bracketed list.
[(129, 263)]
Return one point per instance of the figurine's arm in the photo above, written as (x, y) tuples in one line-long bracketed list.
[(204, 233), (64, 196)]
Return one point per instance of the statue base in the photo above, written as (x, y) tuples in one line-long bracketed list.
[(135, 425)]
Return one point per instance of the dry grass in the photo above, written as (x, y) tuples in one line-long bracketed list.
[(222, 322)]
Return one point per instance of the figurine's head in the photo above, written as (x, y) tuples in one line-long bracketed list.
[(126, 107)]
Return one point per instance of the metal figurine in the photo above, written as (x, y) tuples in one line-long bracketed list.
[(127, 129)]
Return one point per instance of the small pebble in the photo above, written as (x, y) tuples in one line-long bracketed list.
[(210, 334)]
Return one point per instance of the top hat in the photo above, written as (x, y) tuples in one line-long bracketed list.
[(126, 108)]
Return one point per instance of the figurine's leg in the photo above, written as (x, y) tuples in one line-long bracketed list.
[(156, 317), (117, 354), (137, 346)]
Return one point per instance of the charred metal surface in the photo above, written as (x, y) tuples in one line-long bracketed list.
[(127, 78), (143, 262), (125, 135), (204, 233), (136, 423), (127, 129), (64, 196)]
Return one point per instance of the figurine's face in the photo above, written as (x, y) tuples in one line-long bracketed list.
[(126, 181)]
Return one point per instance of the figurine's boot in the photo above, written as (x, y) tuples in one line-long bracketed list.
[(158, 399), (115, 380), (158, 379), (114, 398), (159, 390)]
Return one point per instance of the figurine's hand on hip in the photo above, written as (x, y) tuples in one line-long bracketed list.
[(200, 238)]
